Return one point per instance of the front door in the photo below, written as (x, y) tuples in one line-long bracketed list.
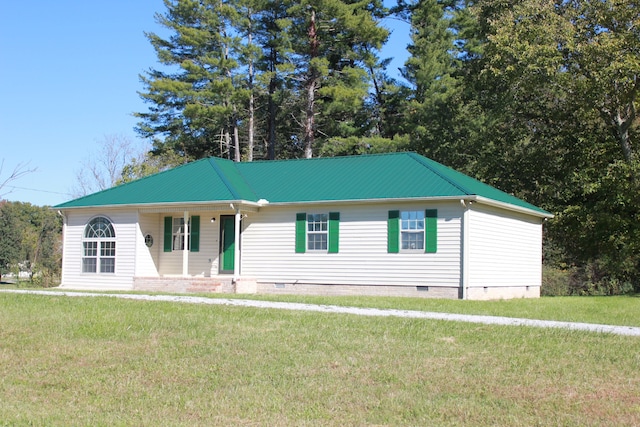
[(227, 243)]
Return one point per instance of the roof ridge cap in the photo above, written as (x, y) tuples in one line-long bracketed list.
[(223, 177), (393, 153), (420, 159)]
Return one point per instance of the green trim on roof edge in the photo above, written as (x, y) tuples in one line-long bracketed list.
[(404, 175)]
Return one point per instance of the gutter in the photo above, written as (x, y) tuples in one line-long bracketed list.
[(173, 205), (472, 198), (215, 204)]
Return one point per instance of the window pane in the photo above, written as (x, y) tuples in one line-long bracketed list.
[(317, 242), (89, 265), (107, 265), (108, 249), (178, 225), (90, 248), (411, 240)]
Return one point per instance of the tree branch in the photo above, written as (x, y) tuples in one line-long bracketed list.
[(19, 171)]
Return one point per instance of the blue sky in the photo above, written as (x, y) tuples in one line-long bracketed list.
[(69, 77)]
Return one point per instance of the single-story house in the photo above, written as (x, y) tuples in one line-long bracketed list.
[(395, 224)]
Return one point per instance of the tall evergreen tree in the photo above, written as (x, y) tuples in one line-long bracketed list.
[(275, 71), (194, 99), (332, 41), (440, 120)]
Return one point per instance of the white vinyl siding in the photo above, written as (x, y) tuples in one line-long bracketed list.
[(268, 249), (125, 227), (147, 257), (505, 248)]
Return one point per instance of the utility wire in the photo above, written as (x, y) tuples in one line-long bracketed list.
[(35, 189)]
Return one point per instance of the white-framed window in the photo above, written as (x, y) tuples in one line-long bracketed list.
[(99, 247), (317, 231), (412, 230), (178, 236), (174, 238)]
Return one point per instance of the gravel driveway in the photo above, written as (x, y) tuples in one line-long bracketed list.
[(488, 320)]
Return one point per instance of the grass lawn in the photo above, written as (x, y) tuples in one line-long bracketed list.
[(104, 361), (616, 310)]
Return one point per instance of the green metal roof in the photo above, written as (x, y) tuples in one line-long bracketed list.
[(200, 181), (368, 177)]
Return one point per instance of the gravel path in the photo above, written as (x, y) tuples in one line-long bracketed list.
[(488, 320)]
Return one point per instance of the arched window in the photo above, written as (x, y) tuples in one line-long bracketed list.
[(99, 247)]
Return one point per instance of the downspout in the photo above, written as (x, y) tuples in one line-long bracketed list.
[(465, 247)]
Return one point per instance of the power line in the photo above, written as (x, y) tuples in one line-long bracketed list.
[(35, 189)]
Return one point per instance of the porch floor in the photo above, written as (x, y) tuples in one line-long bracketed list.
[(184, 284)]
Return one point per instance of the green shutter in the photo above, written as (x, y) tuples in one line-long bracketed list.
[(301, 232), (334, 232), (168, 231), (431, 230), (195, 233), (393, 232)]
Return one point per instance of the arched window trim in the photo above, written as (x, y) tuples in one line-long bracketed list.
[(99, 246)]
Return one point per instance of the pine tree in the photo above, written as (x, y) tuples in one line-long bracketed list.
[(332, 40), (195, 97)]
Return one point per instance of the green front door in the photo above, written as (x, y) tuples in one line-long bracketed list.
[(227, 243)]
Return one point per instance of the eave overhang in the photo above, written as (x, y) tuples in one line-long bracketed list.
[(432, 199), (226, 205)]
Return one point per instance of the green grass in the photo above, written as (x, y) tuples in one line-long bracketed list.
[(614, 310), (610, 310), (104, 361)]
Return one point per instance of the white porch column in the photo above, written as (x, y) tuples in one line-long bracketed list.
[(236, 248), (185, 251)]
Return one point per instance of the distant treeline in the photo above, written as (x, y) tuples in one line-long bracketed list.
[(30, 243)]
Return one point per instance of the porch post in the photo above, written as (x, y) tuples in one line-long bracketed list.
[(236, 248), (185, 250)]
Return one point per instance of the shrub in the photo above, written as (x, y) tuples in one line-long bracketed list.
[(555, 282)]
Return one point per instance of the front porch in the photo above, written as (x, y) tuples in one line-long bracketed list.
[(191, 248), (220, 284)]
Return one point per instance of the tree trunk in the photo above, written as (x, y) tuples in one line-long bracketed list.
[(622, 121), (310, 119), (271, 121), (312, 83), (250, 136), (236, 138)]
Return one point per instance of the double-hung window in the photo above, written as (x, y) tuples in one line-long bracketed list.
[(412, 231), (177, 235), (99, 247), (317, 232)]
